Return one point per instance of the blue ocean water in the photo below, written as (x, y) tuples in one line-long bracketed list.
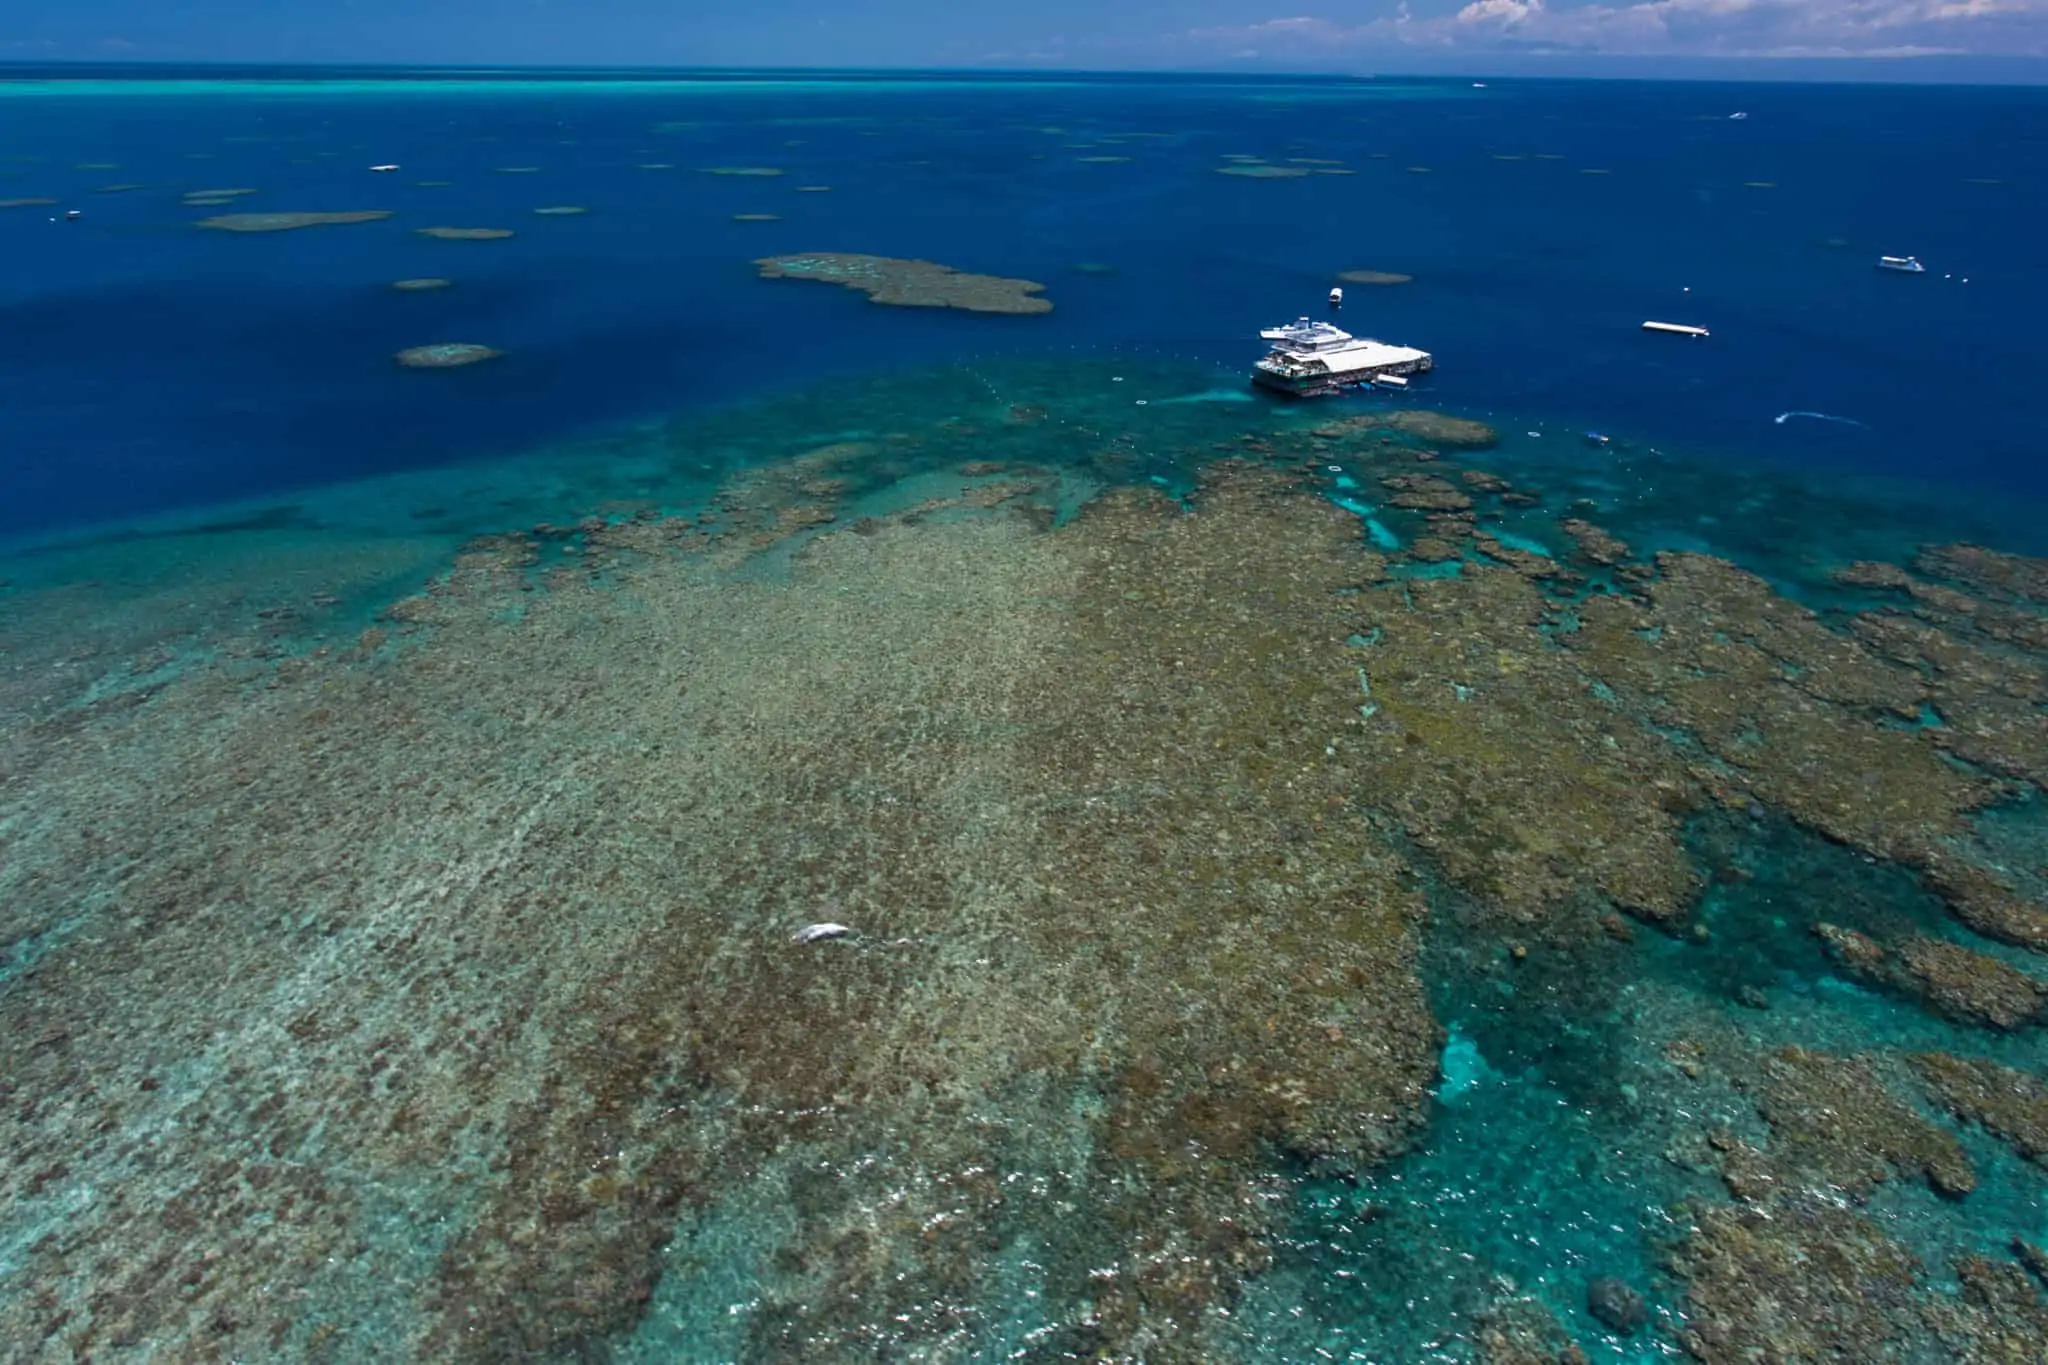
[(150, 364), (158, 377)]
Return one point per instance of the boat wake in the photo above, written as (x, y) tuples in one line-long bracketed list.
[(1785, 417)]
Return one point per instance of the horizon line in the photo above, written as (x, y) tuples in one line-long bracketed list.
[(1937, 69)]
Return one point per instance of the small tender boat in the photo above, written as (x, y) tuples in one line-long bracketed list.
[(1738, 114), (385, 169), (1908, 264), (1336, 298), (1598, 438), (72, 215)]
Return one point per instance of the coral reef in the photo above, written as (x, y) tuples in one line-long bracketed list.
[(429, 989), (1459, 694), (421, 284), (1439, 429), (1258, 170), (1374, 277), (1523, 1332), (445, 355), (1594, 544), (562, 211), (2012, 1105), (567, 1028), (1424, 493), (463, 234), (286, 222), (1802, 1281), (909, 283), (1833, 1120), (1961, 983), (1617, 1305)]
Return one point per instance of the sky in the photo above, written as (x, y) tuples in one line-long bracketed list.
[(1567, 37)]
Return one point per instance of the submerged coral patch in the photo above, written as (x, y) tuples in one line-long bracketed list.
[(742, 170), (562, 211), (757, 217), (1373, 277), (25, 203), (286, 222), (1251, 170), (421, 284), (910, 283), (445, 355), (465, 234)]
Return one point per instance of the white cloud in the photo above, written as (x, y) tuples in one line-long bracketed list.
[(1727, 28)]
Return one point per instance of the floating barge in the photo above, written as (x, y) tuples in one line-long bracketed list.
[(1677, 329), (1310, 358)]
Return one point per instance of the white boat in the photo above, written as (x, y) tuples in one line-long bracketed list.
[(1336, 298), (385, 170), (1309, 358), (1677, 329), (1909, 264)]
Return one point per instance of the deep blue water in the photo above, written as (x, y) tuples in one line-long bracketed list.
[(145, 363)]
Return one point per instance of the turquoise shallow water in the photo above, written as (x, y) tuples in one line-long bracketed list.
[(280, 588)]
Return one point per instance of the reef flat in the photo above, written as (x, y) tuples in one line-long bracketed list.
[(445, 355), (1235, 810), (287, 222), (1259, 170), (466, 234), (910, 283), (1374, 277)]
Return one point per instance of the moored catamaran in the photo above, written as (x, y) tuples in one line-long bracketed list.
[(1309, 358)]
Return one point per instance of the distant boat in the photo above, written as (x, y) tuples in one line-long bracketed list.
[(1677, 329), (1738, 114), (1336, 298), (385, 169), (1909, 264), (1598, 438), (1479, 85)]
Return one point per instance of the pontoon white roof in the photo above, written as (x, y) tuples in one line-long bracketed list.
[(1361, 355)]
